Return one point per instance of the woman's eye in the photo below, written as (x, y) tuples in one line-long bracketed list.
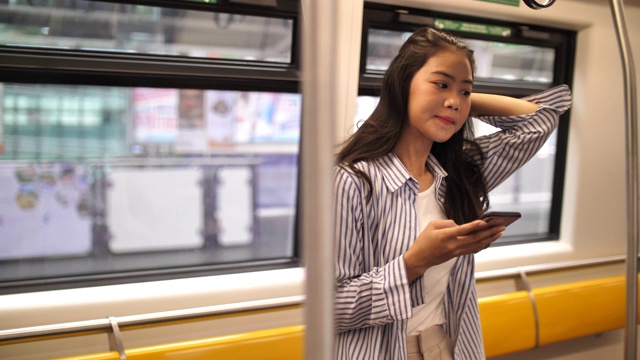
[(466, 93), (442, 85)]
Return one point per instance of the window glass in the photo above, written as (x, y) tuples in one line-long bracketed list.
[(494, 59), (528, 191), (382, 47), (140, 29), (101, 180), (126, 156), (64, 122)]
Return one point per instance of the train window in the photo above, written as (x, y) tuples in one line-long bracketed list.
[(140, 29), (123, 159), (494, 59), (512, 59)]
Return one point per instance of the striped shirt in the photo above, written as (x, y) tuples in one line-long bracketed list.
[(373, 298)]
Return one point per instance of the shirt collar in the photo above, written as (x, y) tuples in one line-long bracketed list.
[(395, 174)]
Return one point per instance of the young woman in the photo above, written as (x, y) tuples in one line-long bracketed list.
[(410, 186)]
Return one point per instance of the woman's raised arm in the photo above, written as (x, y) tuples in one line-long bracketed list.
[(499, 105)]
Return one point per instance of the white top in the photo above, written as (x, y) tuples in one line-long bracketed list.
[(437, 277)]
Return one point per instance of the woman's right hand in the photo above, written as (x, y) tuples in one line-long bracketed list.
[(442, 240)]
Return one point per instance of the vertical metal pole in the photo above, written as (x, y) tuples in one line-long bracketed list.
[(319, 89), (631, 115)]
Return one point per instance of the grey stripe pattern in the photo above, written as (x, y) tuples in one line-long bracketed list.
[(373, 297)]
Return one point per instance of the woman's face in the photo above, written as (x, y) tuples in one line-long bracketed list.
[(439, 97)]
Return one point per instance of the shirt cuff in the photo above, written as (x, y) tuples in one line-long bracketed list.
[(397, 291)]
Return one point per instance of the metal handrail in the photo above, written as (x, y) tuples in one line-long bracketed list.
[(631, 147), (541, 268), (104, 325), (320, 91)]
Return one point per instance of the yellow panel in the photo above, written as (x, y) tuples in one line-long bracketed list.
[(274, 344), (508, 323), (111, 355), (281, 343), (582, 308)]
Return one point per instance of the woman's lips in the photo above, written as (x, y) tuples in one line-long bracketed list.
[(446, 119)]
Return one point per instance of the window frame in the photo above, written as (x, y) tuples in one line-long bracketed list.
[(405, 19), (29, 65), (56, 66)]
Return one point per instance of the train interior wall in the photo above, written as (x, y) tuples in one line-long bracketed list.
[(593, 219)]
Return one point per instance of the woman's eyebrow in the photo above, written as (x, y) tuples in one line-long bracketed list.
[(446, 74)]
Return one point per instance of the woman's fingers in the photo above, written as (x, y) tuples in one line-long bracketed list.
[(479, 240), (442, 224), (444, 239), (469, 233), (471, 227)]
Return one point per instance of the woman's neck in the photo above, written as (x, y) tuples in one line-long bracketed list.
[(413, 156)]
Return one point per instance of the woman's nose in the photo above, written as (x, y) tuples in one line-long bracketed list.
[(452, 102)]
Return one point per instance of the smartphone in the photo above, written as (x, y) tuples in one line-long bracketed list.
[(504, 218)]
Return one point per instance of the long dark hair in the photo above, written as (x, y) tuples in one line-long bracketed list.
[(466, 196)]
